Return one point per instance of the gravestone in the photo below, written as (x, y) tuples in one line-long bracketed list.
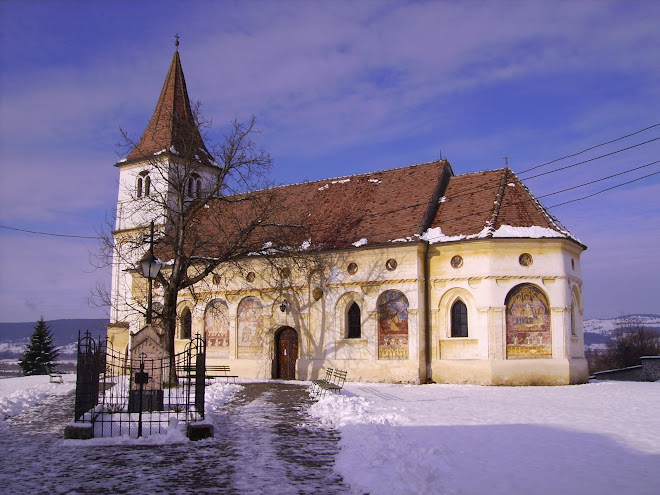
[(147, 350)]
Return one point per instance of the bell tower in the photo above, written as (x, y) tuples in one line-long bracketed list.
[(167, 168)]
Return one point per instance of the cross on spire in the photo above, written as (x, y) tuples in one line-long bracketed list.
[(176, 42)]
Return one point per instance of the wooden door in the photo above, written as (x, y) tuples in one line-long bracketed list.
[(287, 354)]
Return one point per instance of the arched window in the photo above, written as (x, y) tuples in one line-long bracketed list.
[(143, 186), (354, 322), (186, 324), (194, 186), (459, 319)]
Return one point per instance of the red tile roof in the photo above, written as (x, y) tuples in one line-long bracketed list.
[(378, 208), (479, 204), (172, 127)]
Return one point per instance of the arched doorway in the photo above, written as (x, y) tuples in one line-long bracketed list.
[(286, 349)]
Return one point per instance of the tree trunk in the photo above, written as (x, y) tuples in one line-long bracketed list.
[(169, 330)]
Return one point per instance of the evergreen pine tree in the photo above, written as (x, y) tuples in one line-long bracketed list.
[(40, 355)]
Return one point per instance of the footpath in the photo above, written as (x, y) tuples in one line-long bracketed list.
[(265, 443)]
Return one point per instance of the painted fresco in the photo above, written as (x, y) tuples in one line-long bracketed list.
[(216, 328), (528, 324), (392, 325), (250, 327)]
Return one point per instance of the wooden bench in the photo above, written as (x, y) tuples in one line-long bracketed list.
[(316, 384), (219, 371), (210, 372), (335, 384)]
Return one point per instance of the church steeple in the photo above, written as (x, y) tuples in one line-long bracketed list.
[(172, 129)]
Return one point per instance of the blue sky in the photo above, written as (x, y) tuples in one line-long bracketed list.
[(338, 88)]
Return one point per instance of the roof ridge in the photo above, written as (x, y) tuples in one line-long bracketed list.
[(499, 198), (342, 177)]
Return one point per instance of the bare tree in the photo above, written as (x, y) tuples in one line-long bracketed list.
[(630, 342), (212, 209)]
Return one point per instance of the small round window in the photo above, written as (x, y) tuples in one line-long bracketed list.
[(352, 268), (216, 279), (525, 259), (250, 277), (457, 261), (391, 264)]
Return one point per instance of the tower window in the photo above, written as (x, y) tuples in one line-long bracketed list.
[(143, 185), (194, 186)]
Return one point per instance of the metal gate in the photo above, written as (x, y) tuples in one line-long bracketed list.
[(122, 395)]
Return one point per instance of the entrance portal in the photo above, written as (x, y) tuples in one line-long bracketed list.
[(287, 353)]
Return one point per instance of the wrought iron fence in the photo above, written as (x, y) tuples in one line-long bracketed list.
[(119, 394)]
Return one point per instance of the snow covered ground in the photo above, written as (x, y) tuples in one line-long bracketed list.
[(598, 438)]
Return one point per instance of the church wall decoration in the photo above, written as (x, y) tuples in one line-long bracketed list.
[(216, 328), (250, 327), (528, 334), (392, 325)]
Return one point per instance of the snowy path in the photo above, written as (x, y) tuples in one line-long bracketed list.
[(264, 443)]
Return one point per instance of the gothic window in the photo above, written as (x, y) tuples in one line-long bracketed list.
[(143, 186), (459, 319), (194, 186), (186, 324), (354, 322), (573, 332)]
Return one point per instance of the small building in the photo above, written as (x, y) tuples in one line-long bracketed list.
[(421, 275)]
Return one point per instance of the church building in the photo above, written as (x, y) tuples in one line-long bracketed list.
[(419, 274)]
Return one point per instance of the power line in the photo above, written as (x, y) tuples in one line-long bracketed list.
[(589, 149), (591, 159), (600, 180), (6, 227), (604, 190)]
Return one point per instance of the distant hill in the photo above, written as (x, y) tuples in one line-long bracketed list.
[(15, 336), (598, 332)]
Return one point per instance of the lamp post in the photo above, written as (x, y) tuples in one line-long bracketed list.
[(150, 269)]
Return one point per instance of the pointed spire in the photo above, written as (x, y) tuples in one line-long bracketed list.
[(172, 127)]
